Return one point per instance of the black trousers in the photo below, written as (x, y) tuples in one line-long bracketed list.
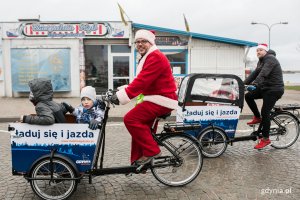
[(269, 100)]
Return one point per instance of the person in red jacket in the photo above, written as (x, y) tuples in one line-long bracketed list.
[(156, 90)]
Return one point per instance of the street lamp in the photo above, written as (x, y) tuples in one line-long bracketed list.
[(269, 28)]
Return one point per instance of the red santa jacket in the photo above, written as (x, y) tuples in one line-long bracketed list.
[(155, 81)]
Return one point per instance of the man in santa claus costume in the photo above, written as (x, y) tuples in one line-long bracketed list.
[(156, 90)]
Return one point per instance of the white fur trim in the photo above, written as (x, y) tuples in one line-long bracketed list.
[(263, 46), (162, 101), (142, 61), (145, 34), (123, 97)]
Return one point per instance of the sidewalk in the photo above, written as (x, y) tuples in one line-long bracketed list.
[(13, 108)]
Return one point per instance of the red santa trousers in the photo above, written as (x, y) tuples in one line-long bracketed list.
[(138, 122)]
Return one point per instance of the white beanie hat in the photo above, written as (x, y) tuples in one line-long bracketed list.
[(263, 46), (89, 92), (145, 34)]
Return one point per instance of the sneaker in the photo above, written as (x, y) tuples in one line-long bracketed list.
[(255, 120), (262, 143)]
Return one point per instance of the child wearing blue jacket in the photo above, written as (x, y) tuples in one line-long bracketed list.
[(90, 111)]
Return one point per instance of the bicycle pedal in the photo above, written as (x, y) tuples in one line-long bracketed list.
[(138, 169)]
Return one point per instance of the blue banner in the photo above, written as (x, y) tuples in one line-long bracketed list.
[(27, 64), (29, 143)]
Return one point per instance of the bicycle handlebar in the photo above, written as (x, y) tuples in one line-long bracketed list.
[(107, 96)]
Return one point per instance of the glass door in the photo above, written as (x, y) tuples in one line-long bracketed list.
[(96, 67), (120, 70)]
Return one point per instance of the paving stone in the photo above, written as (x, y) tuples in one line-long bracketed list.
[(240, 173)]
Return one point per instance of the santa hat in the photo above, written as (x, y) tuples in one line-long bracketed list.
[(89, 92), (145, 34), (263, 46)]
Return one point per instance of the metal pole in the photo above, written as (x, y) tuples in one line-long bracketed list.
[(269, 37), (269, 28)]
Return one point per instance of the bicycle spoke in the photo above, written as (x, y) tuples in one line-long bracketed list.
[(284, 130), (53, 189), (174, 172)]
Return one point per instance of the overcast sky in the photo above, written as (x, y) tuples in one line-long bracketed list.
[(230, 18)]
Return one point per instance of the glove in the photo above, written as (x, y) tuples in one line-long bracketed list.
[(93, 124), (114, 99), (251, 88), (68, 107)]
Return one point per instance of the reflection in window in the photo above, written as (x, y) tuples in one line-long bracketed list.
[(223, 88), (121, 66), (227, 90), (120, 82), (120, 49), (96, 66), (177, 60)]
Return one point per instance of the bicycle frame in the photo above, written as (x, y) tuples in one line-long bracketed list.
[(257, 133), (100, 148)]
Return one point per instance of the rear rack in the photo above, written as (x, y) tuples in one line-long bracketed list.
[(292, 108), (287, 107), (175, 127)]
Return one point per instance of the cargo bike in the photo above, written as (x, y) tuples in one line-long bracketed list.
[(55, 158), (215, 101)]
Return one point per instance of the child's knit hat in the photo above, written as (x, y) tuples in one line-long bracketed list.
[(89, 92)]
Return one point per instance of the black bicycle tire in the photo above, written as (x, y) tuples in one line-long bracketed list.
[(297, 134), (55, 160), (199, 167)]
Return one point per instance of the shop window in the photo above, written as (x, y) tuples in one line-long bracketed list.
[(178, 60), (27, 64), (120, 71)]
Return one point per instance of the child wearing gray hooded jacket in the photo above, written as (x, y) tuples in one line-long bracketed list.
[(47, 111)]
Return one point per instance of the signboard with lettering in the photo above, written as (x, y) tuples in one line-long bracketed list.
[(224, 116), (67, 30), (30, 142), (169, 41), (27, 64)]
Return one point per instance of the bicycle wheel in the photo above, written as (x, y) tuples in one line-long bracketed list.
[(180, 171), (56, 189), (284, 130), (213, 142)]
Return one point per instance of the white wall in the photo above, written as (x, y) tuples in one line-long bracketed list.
[(215, 57), (73, 44)]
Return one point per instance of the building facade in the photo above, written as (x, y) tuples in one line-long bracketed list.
[(102, 54)]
